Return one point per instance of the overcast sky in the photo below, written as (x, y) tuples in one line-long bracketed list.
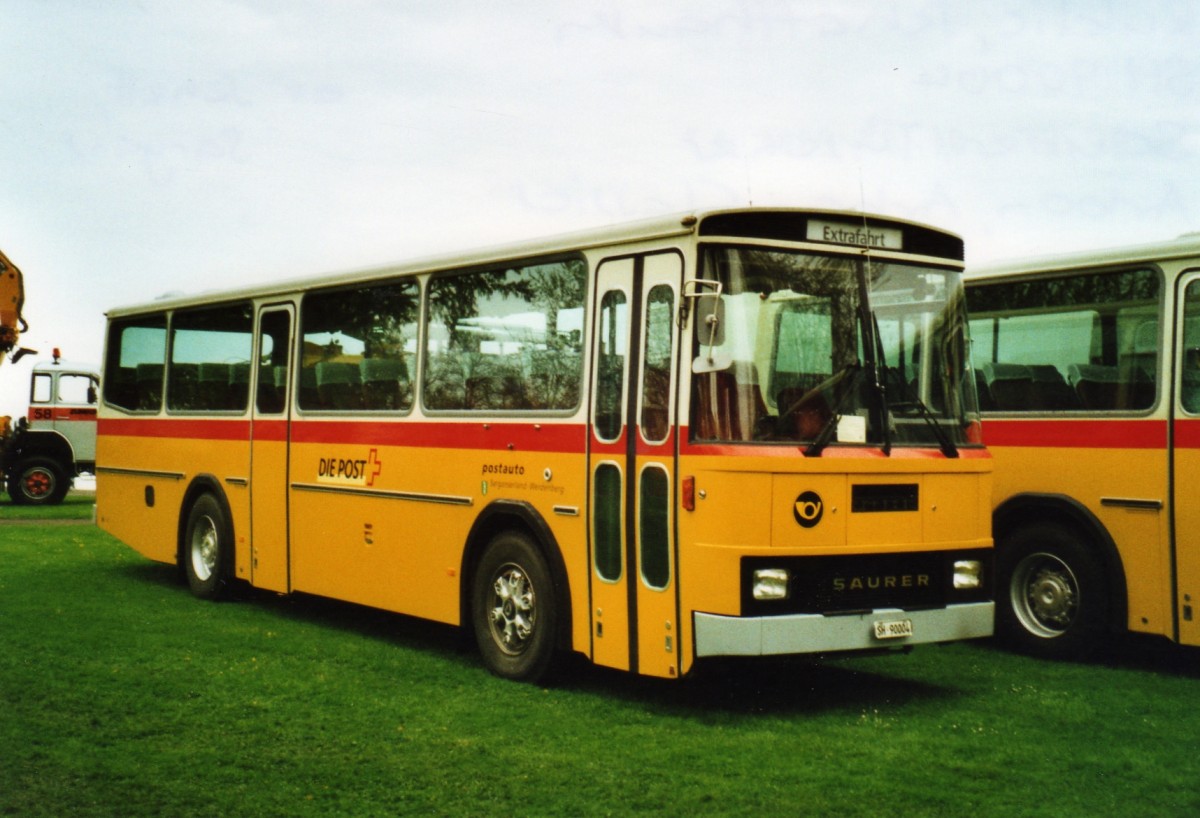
[(148, 147)]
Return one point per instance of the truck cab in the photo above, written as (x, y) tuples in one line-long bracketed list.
[(46, 450)]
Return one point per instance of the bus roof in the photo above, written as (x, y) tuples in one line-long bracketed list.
[(1186, 246), (677, 224)]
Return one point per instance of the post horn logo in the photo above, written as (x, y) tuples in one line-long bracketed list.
[(808, 509)]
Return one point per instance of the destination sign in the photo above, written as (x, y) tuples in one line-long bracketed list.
[(859, 235)]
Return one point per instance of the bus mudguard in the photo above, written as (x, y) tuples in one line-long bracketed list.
[(501, 514), (1031, 507)]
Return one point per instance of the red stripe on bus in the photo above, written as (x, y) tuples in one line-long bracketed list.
[(524, 436), (616, 448), (276, 430), (930, 451), (521, 436), (190, 428), (1187, 434), (1075, 433)]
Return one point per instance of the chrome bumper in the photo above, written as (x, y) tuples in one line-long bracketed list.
[(817, 633)]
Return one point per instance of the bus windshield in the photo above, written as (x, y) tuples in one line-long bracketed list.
[(823, 349)]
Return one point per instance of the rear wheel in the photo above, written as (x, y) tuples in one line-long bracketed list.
[(514, 608), (1052, 596), (38, 481), (207, 548)]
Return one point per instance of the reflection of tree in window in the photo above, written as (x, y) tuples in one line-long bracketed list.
[(656, 386), (610, 377), (506, 339), (356, 347), (1189, 392), (1076, 290), (792, 358)]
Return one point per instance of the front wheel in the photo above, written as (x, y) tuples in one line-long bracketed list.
[(1052, 596), (207, 548), (38, 481), (514, 609)]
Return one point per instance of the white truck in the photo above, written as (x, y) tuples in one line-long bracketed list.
[(42, 453)]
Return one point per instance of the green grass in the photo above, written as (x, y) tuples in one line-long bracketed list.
[(76, 506), (122, 695)]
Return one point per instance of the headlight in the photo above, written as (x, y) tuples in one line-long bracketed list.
[(771, 583), (968, 574)]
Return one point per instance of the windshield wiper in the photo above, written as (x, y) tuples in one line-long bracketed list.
[(944, 442)]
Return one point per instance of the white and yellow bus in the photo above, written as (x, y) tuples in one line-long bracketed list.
[(1089, 378), (741, 432)]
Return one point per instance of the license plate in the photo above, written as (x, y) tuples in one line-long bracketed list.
[(893, 628)]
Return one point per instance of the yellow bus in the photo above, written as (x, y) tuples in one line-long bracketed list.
[(1089, 380), (737, 432)]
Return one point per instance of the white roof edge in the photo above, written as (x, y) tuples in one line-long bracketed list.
[(645, 229), (1182, 247), (675, 224)]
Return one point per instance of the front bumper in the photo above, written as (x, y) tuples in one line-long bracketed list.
[(820, 633)]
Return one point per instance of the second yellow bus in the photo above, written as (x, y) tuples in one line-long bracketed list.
[(1089, 373)]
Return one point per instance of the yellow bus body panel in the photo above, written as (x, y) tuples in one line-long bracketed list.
[(141, 498), (744, 508), (1187, 549), (399, 544), (1089, 475)]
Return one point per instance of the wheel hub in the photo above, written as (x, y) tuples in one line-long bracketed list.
[(37, 484), (1045, 595), (1052, 598), (204, 550), (513, 612)]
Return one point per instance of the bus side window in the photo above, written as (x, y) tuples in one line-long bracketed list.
[(136, 352), (356, 347), (272, 362), (656, 367), (1083, 342), (612, 355), (209, 348), (506, 340)]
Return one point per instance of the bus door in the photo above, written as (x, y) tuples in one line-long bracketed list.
[(1185, 454), (632, 443), (269, 437)]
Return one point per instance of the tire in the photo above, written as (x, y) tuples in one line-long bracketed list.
[(1052, 597), (38, 481), (207, 548), (514, 609)]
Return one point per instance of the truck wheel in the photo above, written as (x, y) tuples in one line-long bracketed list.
[(38, 481), (1052, 598), (207, 548), (513, 609)]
